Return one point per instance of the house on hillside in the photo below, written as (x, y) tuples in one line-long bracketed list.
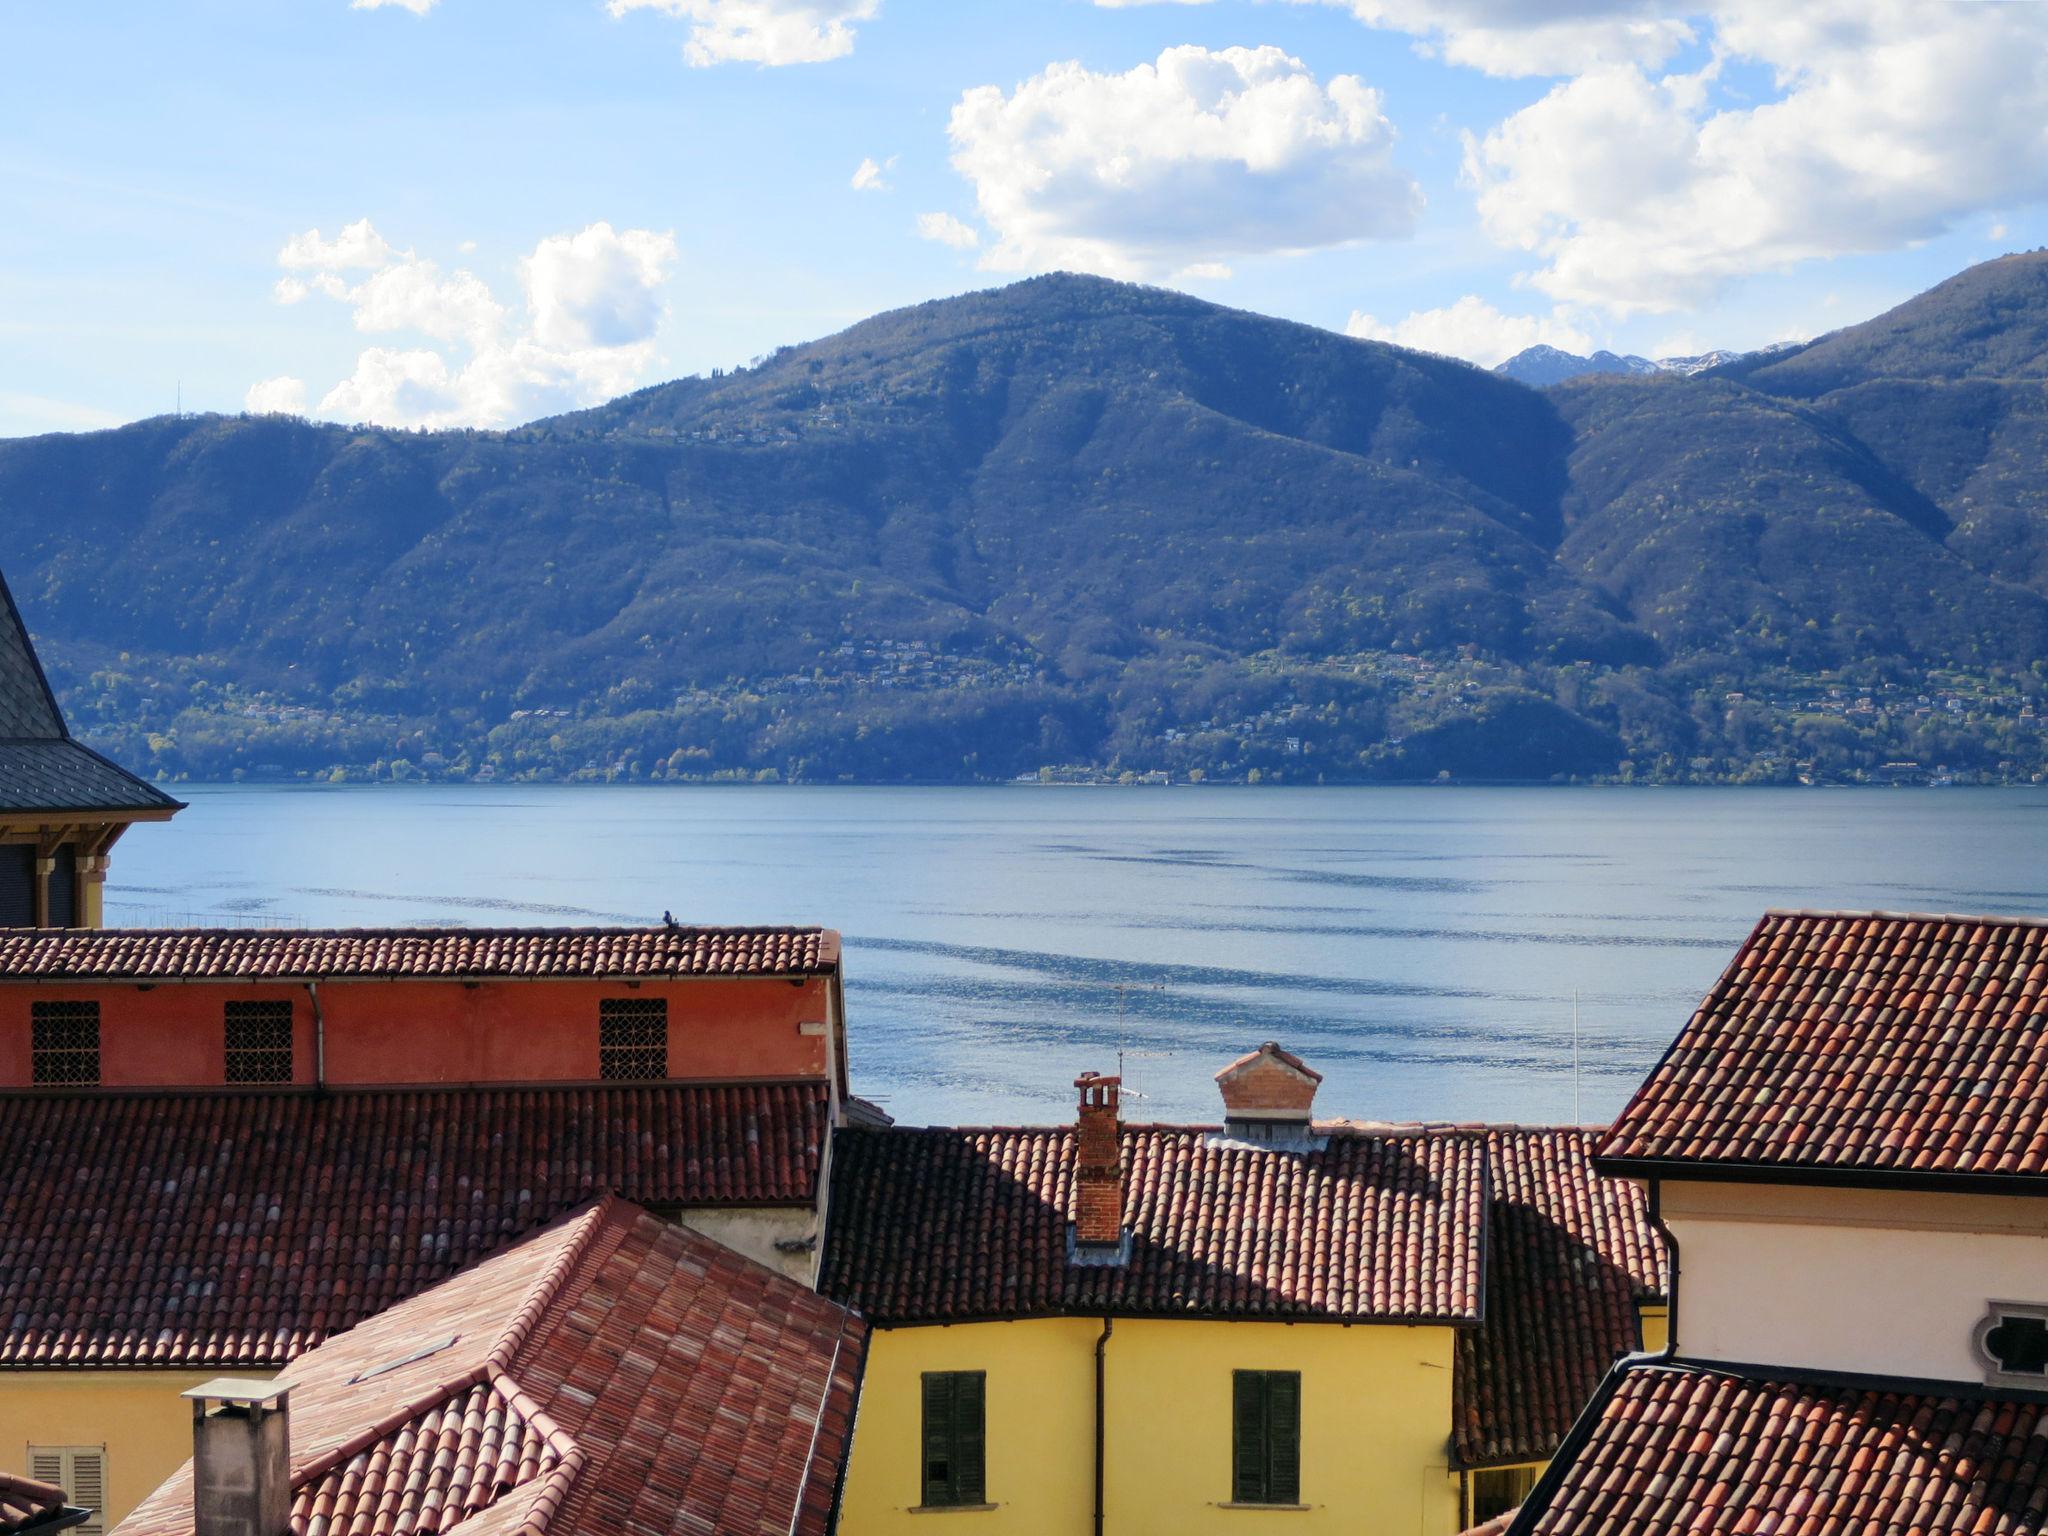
[(1150, 1328), (62, 805), (611, 1373), (227, 1146), (1848, 1144)]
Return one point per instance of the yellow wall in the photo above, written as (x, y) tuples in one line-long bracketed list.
[(1376, 1419), (1656, 1321), (137, 1415)]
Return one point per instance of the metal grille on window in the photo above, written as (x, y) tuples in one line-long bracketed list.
[(64, 1043), (259, 1042), (632, 1038)]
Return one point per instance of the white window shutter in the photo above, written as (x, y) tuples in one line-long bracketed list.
[(81, 1471)]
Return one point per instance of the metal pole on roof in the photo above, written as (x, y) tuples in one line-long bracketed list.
[(1575, 1056)]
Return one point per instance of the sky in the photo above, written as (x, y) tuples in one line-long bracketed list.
[(440, 213)]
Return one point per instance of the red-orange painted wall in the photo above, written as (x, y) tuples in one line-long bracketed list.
[(171, 1035)]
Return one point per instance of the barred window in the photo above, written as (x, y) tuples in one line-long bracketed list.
[(64, 1043), (632, 1038), (259, 1042)]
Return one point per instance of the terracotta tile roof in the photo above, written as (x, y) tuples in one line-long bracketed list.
[(41, 767), (949, 1224), (215, 1230), (1860, 1045), (27, 1505), (1497, 1526), (141, 954), (614, 1373), (1570, 1255), (1684, 1448)]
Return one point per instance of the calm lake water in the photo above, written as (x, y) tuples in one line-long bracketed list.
[(1424, 948)]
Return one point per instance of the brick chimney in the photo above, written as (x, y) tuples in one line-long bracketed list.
[(1267, 1092), (241, 1458), (1098, 1170)]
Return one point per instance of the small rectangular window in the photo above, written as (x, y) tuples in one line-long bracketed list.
[(632, 1038), (1266, 1460), (954, 1463), (259, 1042), (81, 1471), (64, 1043), (1496, 1490)]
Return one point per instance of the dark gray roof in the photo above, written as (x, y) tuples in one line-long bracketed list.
[(41, 767)]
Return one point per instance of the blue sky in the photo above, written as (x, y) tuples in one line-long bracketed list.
[(564, 198)]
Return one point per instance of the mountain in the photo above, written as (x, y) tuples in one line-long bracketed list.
[(1540, 366), (1069, 527)]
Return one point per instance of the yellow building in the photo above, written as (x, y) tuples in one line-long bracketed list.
[(62, 805), (1275, 1323)]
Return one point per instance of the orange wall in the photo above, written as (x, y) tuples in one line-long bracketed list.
[(436, 1031)]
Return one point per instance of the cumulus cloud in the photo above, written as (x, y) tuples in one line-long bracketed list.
[(947, 230), (868, 176), (765, 32), (592, 305), (282, 396), (1472, 329), (417, 7), (1517, 37), (1893, 121), (1196, 158)]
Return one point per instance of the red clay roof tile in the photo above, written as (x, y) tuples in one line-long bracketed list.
[(142, 954), (1859, 1044), (943, 1225), (613, 1373), (27, 1505), (1679, 1447), (213, 1230)]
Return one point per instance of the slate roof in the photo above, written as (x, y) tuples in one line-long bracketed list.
[(944, 1225), (27, 1505), (41, 767), (614, 1373), (218, 1230), (184, 954), (1858, 1046), (1683, 1447), (1570, 1258)]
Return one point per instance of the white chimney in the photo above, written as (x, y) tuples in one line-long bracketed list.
[(241, 1458)]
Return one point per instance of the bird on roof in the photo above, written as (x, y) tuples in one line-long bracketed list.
[(668, 918)]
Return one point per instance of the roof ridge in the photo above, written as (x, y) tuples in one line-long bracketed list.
[(435, 1396), (1881, 914), (593, 1219), (558, 1479)]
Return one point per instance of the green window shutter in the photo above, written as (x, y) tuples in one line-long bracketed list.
[(1283, 1437), (969, 1427), (1248, 1438), (938, 1473)]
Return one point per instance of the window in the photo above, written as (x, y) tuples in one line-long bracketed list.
[(954, 1466), (81, 1471), (1266, 1461), (64, 1043), (259, 1042), (1497, 1490), (632, 1038), (2012, 1341)]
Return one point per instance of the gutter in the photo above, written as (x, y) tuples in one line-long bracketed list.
[(319, 1039), (1101, 1354)]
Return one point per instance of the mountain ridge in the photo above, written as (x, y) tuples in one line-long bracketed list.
[(1084, 528)]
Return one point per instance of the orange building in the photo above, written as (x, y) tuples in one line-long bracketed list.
[(62, 805)]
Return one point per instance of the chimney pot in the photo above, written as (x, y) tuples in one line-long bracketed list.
[(1098, 1171), (241, 1458)]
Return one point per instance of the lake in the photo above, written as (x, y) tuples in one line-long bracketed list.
[(1428, 950)]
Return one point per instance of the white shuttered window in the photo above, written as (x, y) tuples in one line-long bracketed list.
[(81, 1471)]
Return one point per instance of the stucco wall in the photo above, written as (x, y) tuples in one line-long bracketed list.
[(754, 1231), (137, 1415), (1879, 1281), (1376, 1419)]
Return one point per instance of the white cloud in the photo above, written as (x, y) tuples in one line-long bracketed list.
[(1204, 272), (1197, 158), (417, 7), (592, 307), (947, 230), (1995, 232), (868, 176), (1518, 37), (1894, 121), (282, 396), (1474, 330), (358, 245), (766, 32)]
